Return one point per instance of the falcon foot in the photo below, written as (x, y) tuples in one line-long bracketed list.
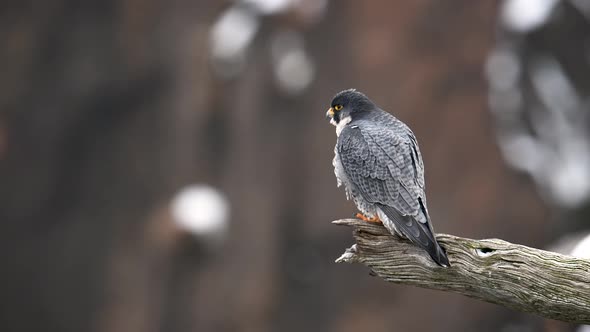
[(368, 219)]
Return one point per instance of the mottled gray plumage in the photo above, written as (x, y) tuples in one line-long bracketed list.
[(378, 160)]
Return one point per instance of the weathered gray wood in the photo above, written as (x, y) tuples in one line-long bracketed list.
[(531, 280)]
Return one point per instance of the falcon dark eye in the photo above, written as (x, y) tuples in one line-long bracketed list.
[(337, 107)]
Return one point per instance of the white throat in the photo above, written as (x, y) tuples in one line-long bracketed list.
[(340, 125)]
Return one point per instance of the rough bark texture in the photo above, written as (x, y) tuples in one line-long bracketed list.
[(531, 280)]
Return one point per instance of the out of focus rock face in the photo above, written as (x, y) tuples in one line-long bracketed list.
[(111, 108)]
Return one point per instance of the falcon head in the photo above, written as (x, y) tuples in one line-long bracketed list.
[(347, 105)]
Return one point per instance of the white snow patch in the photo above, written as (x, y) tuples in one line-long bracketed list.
[(201, 210)]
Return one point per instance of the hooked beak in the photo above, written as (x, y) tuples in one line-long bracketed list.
[(330, 113)]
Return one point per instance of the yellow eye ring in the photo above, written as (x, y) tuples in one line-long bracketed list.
[(337, 107)]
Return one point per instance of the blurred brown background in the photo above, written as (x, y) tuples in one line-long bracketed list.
[(112, 109)]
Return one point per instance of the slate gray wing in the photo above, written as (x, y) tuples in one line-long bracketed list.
[(385, 166)]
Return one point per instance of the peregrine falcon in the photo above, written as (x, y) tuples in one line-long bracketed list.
[(378, 161)]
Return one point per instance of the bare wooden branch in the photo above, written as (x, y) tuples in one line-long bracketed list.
[(531, 280)]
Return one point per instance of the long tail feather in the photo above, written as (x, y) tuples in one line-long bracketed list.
[(419, 233)]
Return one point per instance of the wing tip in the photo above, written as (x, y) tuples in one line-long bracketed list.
[(431, 246), (439, 256)]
